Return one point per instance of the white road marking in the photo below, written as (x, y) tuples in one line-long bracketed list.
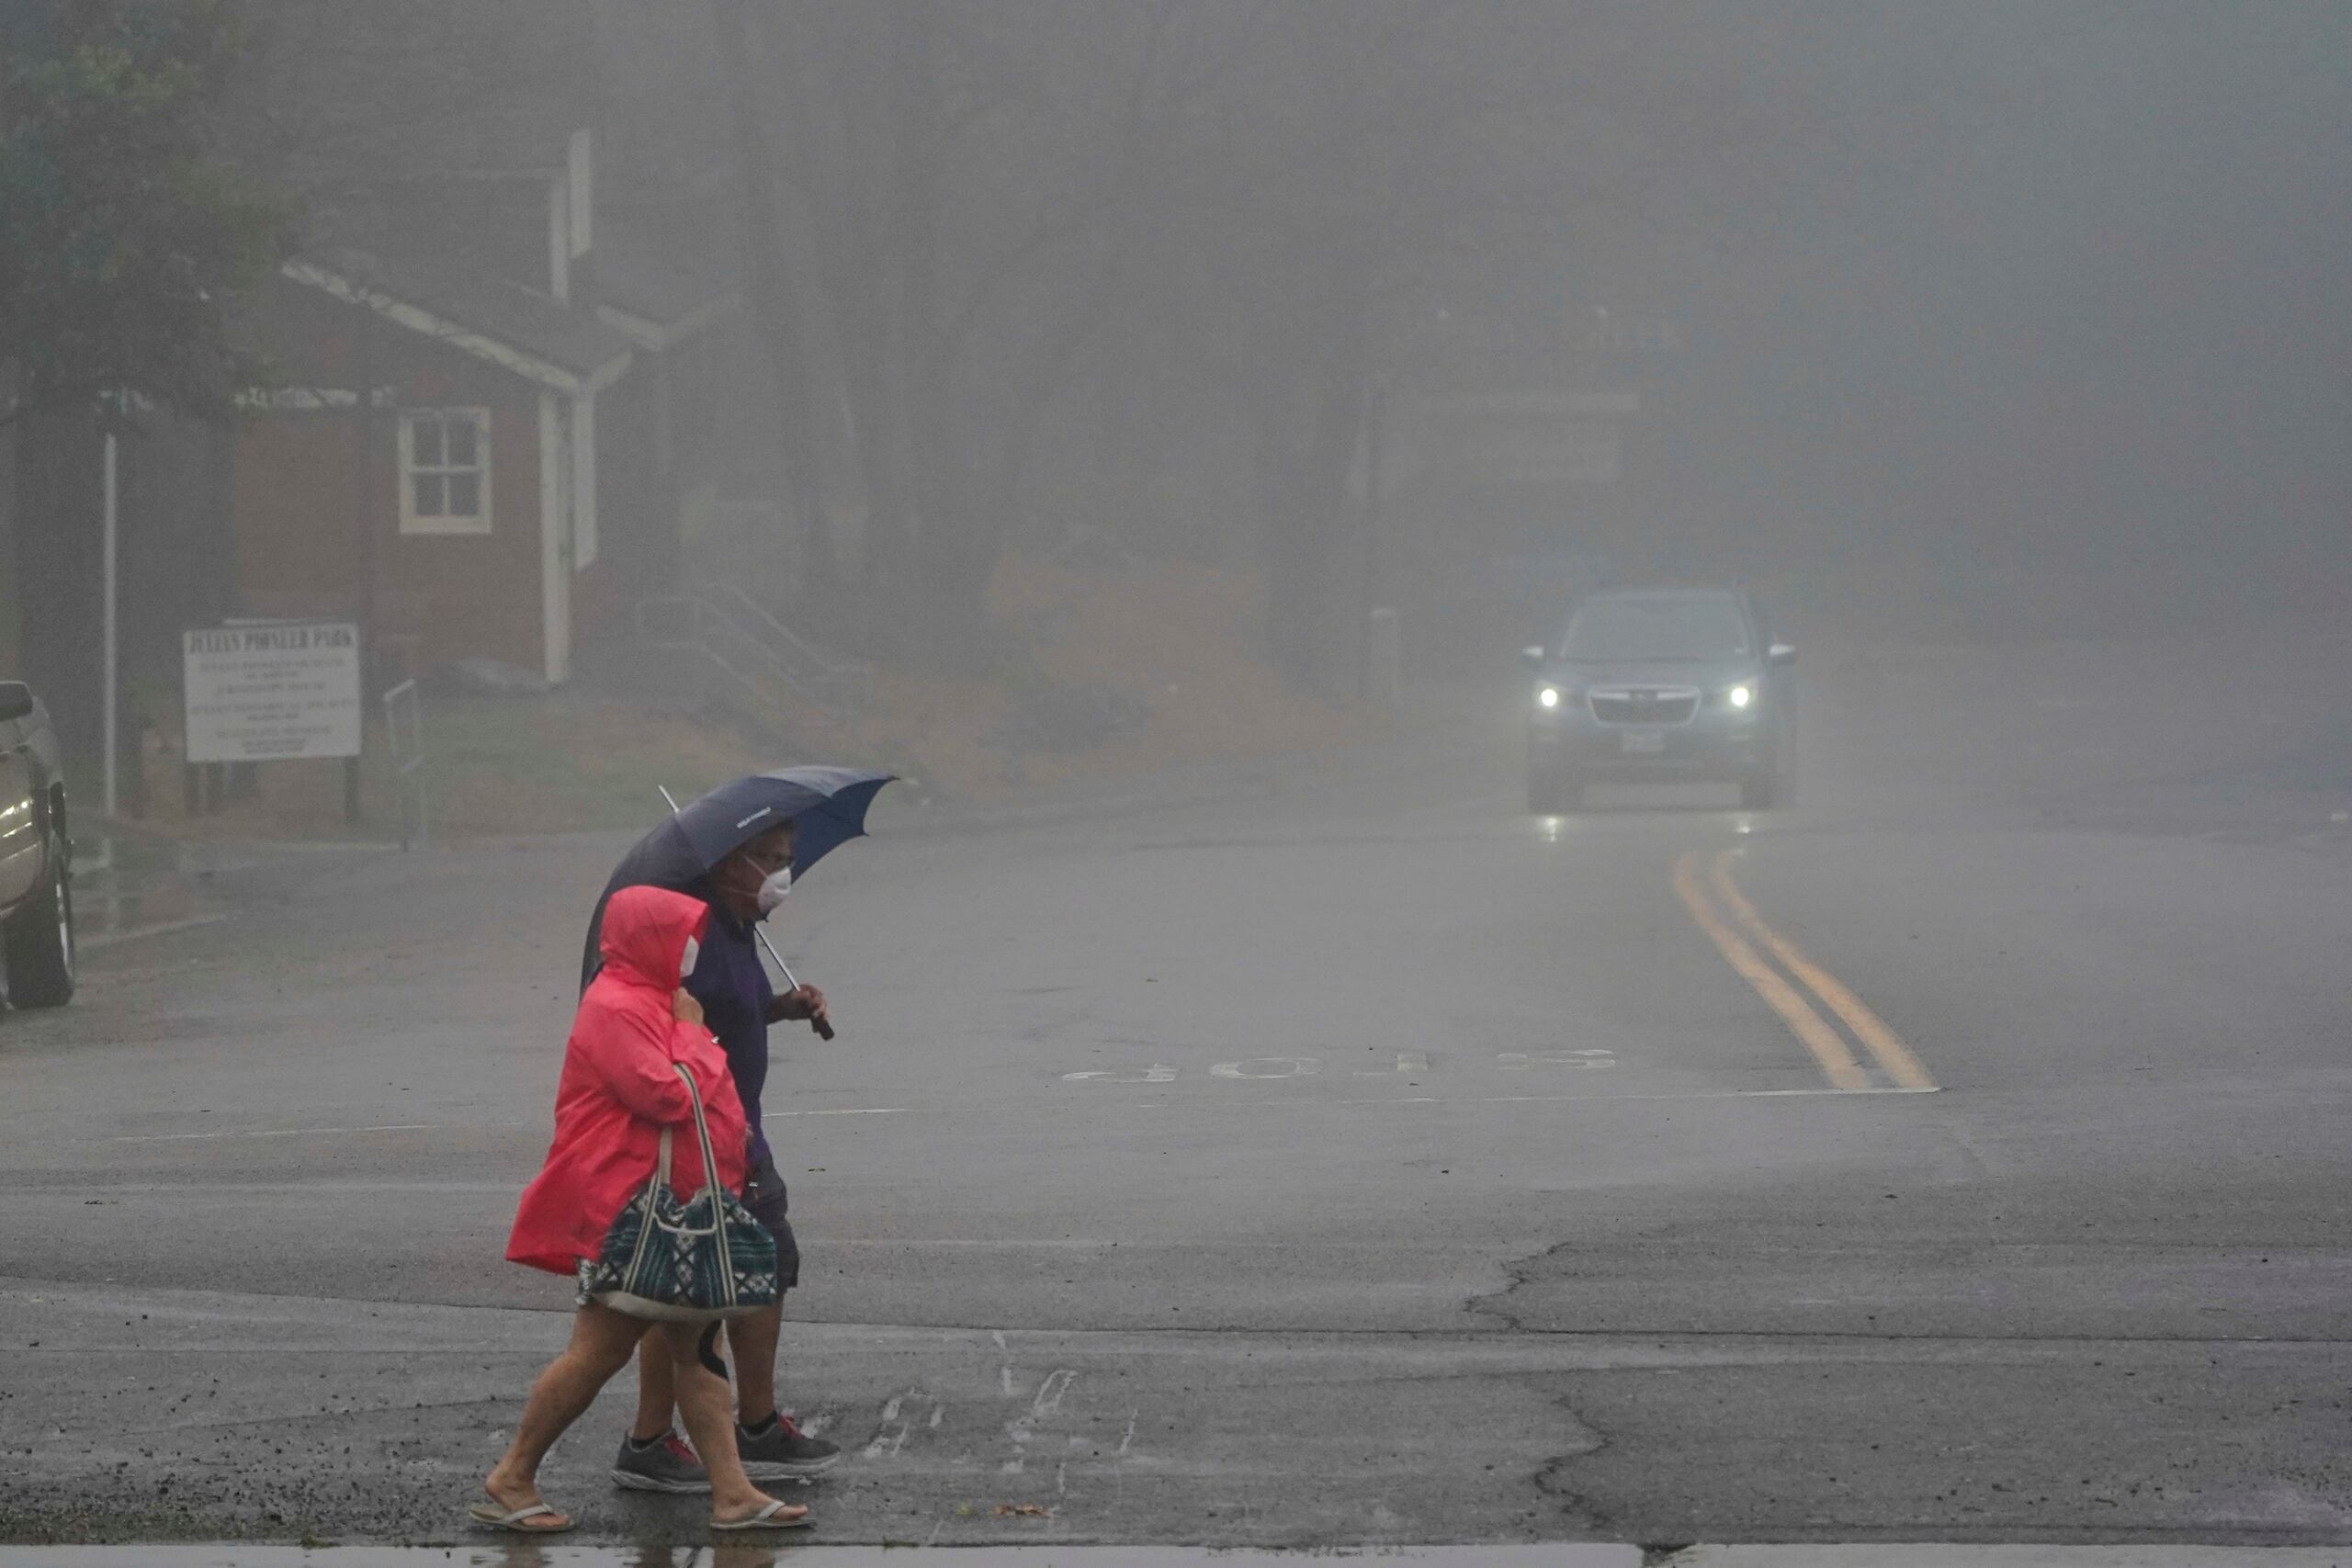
[(1050, 1392), (1406, 1062), (304, 1132), (1049, 1402), (1156, 1073), (887, 1443), (439, 1127), (1296, 1067), (105, 940), (1556, 1098), (1512, 1061), (1308, 1068)]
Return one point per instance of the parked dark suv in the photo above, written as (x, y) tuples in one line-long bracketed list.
[(36, 855), (1661, 684)]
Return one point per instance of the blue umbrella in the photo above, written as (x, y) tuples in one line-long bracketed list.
[(826, 805)]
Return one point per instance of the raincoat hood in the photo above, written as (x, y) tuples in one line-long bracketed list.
[(645, 934)]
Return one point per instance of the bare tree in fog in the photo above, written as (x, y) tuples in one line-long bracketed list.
[(941, 215), (1372, 161)]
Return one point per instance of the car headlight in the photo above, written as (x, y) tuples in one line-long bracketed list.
[(1741, 696), (1547, 697)]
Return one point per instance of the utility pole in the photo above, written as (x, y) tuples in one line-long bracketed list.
[(109, 619), (363, 507)]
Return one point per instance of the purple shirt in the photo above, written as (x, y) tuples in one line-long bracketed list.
[(731, 984)]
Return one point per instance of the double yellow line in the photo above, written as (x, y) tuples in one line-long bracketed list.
[(1738, 930)]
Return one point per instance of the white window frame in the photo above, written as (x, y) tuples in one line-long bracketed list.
[(477, 522)]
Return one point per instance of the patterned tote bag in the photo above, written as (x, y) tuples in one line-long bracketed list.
[(691, 1262)]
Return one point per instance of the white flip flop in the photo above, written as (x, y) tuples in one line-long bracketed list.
[(489, 1516), (767, 1519)]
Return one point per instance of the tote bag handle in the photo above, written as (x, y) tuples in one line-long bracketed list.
[(709, 1154), (710, 1175), (701, 1132)]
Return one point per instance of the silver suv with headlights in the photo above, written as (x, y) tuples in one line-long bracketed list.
[(1661, 684)]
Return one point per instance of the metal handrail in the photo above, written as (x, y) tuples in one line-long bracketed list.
[(717, 628), (693, 622), (830, 669), (408, 769)]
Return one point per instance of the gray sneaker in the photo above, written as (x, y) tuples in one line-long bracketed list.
[(783, 1453), (667, 1466)]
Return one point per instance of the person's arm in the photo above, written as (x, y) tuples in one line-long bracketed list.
[(806, 1004), (637, 1061)]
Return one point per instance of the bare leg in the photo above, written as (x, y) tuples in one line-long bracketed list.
[(657, 1392), (753, 1339), (601, 1342), (702, 1404)]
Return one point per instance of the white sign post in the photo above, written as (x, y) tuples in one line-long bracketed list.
[(272, 692)]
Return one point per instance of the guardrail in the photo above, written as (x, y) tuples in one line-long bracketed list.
[(408, 758)]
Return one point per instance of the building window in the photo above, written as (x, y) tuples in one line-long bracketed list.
[(445, 471)]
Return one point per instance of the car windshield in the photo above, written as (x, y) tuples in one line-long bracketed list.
[(1690, 631)]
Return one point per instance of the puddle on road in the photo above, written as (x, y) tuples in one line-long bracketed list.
[(512, 1553), (1557, 1554)]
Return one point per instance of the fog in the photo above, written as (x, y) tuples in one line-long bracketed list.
[(1610, 747), (1995, 320)]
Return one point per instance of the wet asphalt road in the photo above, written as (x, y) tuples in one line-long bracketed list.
[(1323, 1154)]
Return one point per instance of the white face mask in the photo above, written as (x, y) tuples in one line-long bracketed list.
[(693, 956), (772, 890)]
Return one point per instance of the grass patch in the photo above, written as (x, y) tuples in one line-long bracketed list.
[(1102, 673)]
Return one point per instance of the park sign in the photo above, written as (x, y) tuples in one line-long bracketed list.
[(267, 692)]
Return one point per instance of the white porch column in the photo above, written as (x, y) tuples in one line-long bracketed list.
[(555, 539), (584, 480)]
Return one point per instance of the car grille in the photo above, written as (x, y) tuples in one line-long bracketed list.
[(1645, 705)]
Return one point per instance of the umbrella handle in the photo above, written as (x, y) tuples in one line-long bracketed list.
[(824, 1030)]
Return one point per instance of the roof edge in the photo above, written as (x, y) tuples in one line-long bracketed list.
[(429, 323)]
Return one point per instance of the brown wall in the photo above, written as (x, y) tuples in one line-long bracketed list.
[(435, 596), (297, 489), (467, 594)]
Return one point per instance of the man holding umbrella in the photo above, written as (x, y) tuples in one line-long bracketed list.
[(737, 848)]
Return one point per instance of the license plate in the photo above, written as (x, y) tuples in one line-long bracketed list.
[(1643, 742)]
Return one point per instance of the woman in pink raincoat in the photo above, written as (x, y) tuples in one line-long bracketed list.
[(618, 1091)]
